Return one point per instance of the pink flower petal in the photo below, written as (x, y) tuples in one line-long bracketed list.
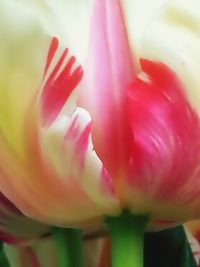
[(109, 72)]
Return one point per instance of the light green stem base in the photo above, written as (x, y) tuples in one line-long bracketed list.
[(127, 234), (69, 243)]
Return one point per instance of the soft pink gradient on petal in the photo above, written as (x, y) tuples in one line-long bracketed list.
[(108, 73)]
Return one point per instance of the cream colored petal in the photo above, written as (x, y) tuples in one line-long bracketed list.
[(23, 48)]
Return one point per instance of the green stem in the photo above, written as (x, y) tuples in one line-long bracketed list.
[(127, 235), (69, 243)]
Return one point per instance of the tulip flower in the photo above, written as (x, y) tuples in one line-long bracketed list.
[(132, 148), (112, 143)]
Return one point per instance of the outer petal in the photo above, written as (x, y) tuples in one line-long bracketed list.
[(109, 71), (34, 180)]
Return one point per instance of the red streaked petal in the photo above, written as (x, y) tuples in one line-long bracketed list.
[(59, 85), (109, 72)]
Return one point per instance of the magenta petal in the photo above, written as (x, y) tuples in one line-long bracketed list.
[(166, 129)]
